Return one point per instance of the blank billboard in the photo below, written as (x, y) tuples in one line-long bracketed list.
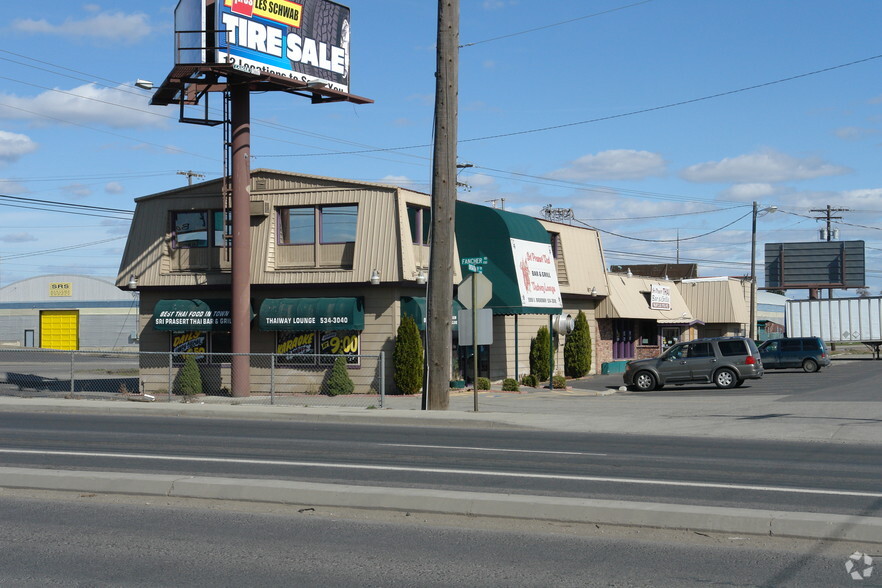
[(825, 264)]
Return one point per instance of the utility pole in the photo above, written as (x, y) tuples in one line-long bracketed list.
[(828, 215), (190, 175), (436, 391)]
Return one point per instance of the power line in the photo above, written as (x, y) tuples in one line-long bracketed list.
[(556, 24), (59, 249), (665, 240)]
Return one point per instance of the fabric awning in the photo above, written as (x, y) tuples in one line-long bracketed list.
[(192, 315), (514, 252), (629, 298), (415, 306), (311, 314)]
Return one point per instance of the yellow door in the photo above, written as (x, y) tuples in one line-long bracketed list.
[(59, 329)]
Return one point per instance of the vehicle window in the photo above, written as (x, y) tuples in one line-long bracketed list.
[(811, 345), (701, 350), (791, 345), (730, 348), (770, 346), (677, 352)]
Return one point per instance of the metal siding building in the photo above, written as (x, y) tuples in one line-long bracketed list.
[(68, 311)]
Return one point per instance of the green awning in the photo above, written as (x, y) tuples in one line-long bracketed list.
[(311, 314), (192, 315), (415, 306), (514, 252)]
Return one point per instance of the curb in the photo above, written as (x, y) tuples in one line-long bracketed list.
[(518, 506)]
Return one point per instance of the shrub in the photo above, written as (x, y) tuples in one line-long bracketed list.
[(339, 382), (483, 383), (189, 379), (577, 349), (539, 360), (560, 382), (510, 385), (407, 358), (530, 380)]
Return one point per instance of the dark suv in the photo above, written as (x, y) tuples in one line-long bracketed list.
[(724, 361), (809, 353)]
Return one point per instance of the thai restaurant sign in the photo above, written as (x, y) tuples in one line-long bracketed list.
[(306, 40), (660, 297), (536, 274)]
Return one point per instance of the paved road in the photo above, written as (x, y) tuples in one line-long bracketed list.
[(841, 479), (88, 541)]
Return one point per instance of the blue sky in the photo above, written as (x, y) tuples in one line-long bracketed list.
[(661, 117)]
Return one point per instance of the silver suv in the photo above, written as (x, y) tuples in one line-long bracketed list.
[(724, 361)]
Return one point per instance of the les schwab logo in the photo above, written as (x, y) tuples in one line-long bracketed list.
[(282, 11)]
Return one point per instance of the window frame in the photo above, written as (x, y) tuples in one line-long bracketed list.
[(211, 228)]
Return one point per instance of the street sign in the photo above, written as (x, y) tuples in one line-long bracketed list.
[(485, 327), (482, 288)]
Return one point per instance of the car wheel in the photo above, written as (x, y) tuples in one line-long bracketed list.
[(725, 378), (739, 383), (810, 365), (644, 381)]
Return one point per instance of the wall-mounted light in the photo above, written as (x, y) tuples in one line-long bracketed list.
[(133, 282), (421, 278), (593, 290), (375, 278)]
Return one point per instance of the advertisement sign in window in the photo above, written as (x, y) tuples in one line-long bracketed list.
[(339, 343), (660, 297), (296, 347), (190, 342)]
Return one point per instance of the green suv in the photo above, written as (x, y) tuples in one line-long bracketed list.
[(808, 353), (723, 361)]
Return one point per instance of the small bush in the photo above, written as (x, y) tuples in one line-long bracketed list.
[(339, 382), (189, 379), (510, 385), (407, 358), (530, 380), (483, 383), (539, 350), (560, 381)]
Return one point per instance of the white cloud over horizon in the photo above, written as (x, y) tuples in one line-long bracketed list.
[(765, 166), (614, 164), (14, 145)]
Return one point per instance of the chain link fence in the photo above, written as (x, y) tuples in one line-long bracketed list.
[(162, 377)]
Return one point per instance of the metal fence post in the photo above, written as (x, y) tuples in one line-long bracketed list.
[(72, 382), (170, 359), (382, 378), (272, 378)]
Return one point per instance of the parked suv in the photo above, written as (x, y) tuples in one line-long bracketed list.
[(724, 361), (809, 353)]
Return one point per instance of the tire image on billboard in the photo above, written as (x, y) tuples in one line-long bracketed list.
[(325, 20)]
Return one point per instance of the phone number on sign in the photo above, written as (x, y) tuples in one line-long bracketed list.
[(336, 320)]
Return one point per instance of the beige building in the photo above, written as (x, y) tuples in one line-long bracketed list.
[(334, 263), (722, 304)]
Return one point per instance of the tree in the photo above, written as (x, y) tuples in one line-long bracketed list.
[(577, 349), (189, 381), (407, 357), (339, 381), (539, 360)]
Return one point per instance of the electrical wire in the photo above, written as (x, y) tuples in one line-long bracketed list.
[(59, 249), (665, 240)]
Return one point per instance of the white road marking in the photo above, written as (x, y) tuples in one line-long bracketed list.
[(386, 468), (492, 449)]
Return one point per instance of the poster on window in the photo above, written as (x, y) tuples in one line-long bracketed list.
[(296, 347), (190, 342), (339, 343), (536, 271)]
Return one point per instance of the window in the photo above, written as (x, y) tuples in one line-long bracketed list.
[(701, 350), (791, 345), (735, 347), (311, 348), (337, 224), (191, 229), (420, 220)]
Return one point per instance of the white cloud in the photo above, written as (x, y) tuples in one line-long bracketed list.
[(88, 104), (17, 238), (615, 164), (78, 190), (748, 192), (765, 166), (853, 133), (12, 187), (112, 26), (14, 145), (114, 188)]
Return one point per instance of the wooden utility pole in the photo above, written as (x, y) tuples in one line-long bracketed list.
[(436, 391)]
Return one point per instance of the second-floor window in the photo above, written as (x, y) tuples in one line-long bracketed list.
[(336, 224), (199, 228), (420, 222)]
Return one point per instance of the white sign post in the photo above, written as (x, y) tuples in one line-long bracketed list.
[(474, 292)]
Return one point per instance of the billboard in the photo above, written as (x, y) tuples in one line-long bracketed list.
[(825, 264), (306, 40), (190, 32)]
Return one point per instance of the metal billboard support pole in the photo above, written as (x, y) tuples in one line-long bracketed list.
[(240, 115)]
